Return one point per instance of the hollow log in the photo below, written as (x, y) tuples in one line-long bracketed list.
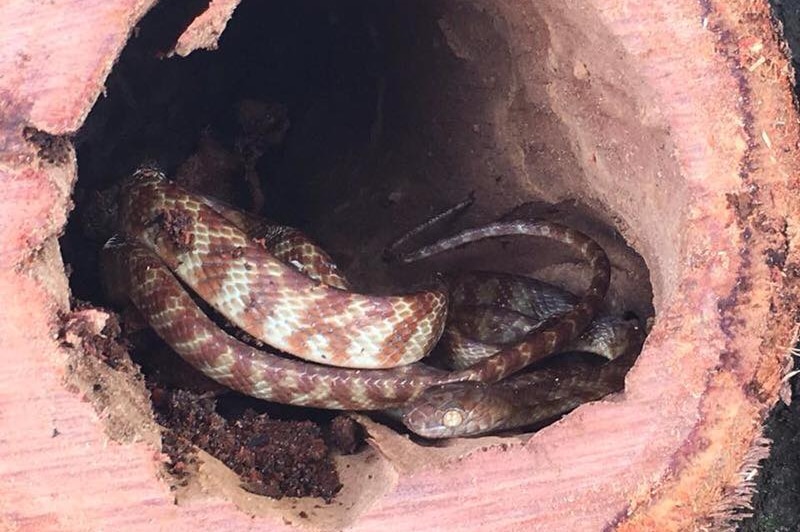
[(675, 120)]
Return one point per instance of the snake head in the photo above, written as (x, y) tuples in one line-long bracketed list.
[(456, 410)]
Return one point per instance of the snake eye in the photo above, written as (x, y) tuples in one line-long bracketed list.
[(452, 418)]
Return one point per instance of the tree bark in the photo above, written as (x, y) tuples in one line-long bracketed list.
[(679, 114)]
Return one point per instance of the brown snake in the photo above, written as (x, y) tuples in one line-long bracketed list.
[(268, 298), (167, 229), (474, 408)]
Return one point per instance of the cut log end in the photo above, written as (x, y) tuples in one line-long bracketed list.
[(671, 126)]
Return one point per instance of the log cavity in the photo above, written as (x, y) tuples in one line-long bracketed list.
[(370, 116)]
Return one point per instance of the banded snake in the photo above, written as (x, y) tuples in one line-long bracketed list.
[(349, 351)]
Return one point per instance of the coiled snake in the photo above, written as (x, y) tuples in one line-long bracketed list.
[(285, 291)]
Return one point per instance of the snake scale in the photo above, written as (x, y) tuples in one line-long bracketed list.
[(348, 351)]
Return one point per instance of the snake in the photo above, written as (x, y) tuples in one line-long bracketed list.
[(268, 298), (329, 346), (476, 408)]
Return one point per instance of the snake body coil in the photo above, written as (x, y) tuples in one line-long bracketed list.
[(475, 408), (269, 299), (293, 301)]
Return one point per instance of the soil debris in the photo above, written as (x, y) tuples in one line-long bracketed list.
[(273, 457)]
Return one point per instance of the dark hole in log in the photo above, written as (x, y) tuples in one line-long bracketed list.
[(387, 112)]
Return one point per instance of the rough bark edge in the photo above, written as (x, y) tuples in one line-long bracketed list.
[(756, 58)]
